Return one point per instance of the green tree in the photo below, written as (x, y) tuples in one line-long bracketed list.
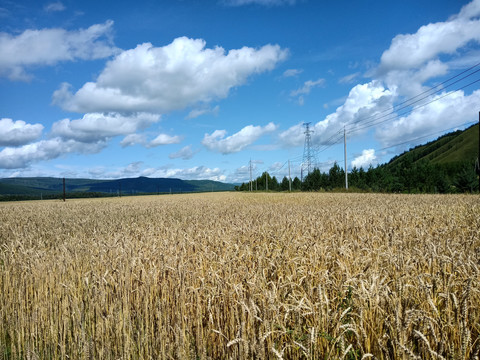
[(284, 186), (466, 180), (273, 184), (336, 176), (312, 181), (296, 184)]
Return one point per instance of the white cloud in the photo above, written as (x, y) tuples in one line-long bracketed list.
[(276, 166), (349, 78), (172, 77), (241, 174), (203, 111), (185, 153), (470, 10), (133, 139), (50, 46), (365, 160), (194, 173), (87, 135), (16, 133), (413, 59), (259, 2), (413, 50), (21, 157), (164, 139), (133, 168), (94, 127), (307, 87), (292, 72), (219, 143), (141, 139), (54, 7), (363, 101), (444, 113)]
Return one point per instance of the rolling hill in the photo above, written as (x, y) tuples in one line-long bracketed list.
[(455, 147), (36, 187)]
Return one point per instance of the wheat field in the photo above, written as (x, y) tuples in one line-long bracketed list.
[(241, 276)]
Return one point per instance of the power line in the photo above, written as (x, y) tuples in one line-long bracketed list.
[(396, 115), (415, 108), (425, 136), (374, 119), (409, 102)]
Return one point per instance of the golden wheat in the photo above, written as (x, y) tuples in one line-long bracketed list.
[(238, 275)]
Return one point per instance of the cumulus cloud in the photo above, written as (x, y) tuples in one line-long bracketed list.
[(414, 58), (50, 46), (363, 101), (219, 143), (94, 127), (23, 156), (133, 169), (185, 153), (172, 77), (241, 174), (164, 139), (87, 135), (470, 10), (413, 50), (367, 158), (141, 139), (16, 133), (194, 173), (133, 139), (447, 112)]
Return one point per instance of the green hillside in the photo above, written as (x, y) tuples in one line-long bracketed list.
[(456, 147)]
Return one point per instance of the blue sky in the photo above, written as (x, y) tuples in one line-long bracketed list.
[(198, 89)]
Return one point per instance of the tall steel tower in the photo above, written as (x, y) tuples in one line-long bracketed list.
[(308, 158)]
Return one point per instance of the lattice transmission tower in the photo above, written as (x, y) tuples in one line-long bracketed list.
[(308, 157)]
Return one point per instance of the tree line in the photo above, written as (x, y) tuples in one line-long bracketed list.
[(403, 176)]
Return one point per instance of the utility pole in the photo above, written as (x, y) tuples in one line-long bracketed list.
[(345, 145), (266, 181), (289, 178), (63, 189), (251, 185), (478, 158)]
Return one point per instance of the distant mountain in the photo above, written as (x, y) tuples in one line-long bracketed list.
[(35, 187)]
